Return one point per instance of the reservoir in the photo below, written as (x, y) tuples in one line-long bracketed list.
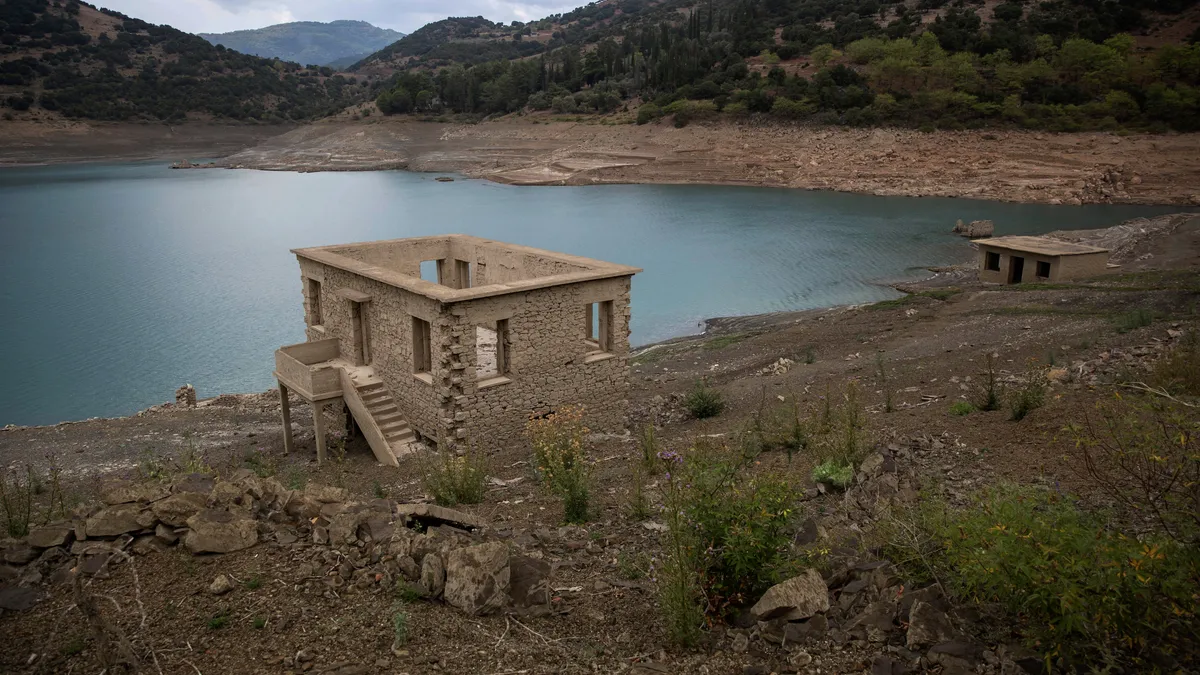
[(119, 283)]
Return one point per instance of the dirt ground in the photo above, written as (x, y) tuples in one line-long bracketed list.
[(605, 616), (546, 149)]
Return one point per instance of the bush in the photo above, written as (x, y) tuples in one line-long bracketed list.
[(780, 427), (560, 458), (1074, 588), (1029, 397), (839, 434), (728, 534), (453, 480), (1142, 452), (1138, 318), (832, 473), (990, 391), (1179, 372), (961, 408), (648, 112), (703, 401)]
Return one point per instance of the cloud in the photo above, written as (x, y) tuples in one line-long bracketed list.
[(219, 16)]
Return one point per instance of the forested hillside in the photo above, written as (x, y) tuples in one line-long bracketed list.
[(309, 42), (1059, 65), (68, 57)]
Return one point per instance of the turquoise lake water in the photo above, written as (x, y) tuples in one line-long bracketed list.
[(119, 283)]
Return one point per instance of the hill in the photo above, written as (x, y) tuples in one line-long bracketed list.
[(69, 58), (310, 42), (1061, 65)]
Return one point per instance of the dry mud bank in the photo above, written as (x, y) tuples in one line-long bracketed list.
[(1003, 165), (23, 142)]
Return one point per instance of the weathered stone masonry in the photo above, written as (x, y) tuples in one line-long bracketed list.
[(558, 327)]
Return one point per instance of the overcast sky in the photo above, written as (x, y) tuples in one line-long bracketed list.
[(221, 16)]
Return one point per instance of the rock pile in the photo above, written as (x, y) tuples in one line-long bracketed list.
[(186, 396), (342, 545)]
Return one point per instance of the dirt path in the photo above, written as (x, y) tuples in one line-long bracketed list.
[(535, 150)]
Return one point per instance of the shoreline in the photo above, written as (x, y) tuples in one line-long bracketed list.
[(540, 150)]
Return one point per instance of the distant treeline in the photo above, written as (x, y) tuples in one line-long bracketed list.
[(1053, 65)]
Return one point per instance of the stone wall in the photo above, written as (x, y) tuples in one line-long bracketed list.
[(550, 363)]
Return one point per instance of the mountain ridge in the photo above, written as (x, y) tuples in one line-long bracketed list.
[(310, 42)]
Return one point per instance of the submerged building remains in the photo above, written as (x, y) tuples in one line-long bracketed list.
[(1013, 260), (506, 333)]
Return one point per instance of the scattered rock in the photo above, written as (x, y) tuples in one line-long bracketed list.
[(126, 492), (797, 598), (529, 581), (433, 575), (117, 519), (221, 585), (213, 531), (19, 598), (327, 494), (739, 643), (51, 536), (927, 625), (477, 578), (176, 509)]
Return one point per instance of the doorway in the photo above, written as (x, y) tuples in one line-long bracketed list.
[(360, 332), (1016, 268)]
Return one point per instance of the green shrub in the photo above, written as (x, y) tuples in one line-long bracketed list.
[(639, 506), (780, 426), (961, 408), (452, 479), (839, 433), (1143, 452), (729, 534), (648, 112), (1138, 318), (649, 446), (832, 473), (16, 498), (703, 401), (990, 391), (399, 626), (560, 459), (1179, 371), (1074, 588), (1029, 397)]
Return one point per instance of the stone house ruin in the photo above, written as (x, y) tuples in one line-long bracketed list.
[(507, 332), (1013, 260)]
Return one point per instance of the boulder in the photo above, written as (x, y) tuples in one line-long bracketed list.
[(19, 598), (343, 527), (193, 482), (433, 575), (478, 578), (118, 519), (176, 509), (430, 515), (529, 581), (20, 554), (166, 534), (51, 536), (213, 531), (228, 495), (797, 598), (927, 625), (127, 492), (409, 568), (326, 494), (975, 229)]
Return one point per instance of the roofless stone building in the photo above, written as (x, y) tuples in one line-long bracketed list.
[(506, 333)]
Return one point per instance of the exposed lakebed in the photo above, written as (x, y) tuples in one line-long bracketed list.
[(119, 283)]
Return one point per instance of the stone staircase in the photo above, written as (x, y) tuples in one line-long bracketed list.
[(378, 416), (387, 417)]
